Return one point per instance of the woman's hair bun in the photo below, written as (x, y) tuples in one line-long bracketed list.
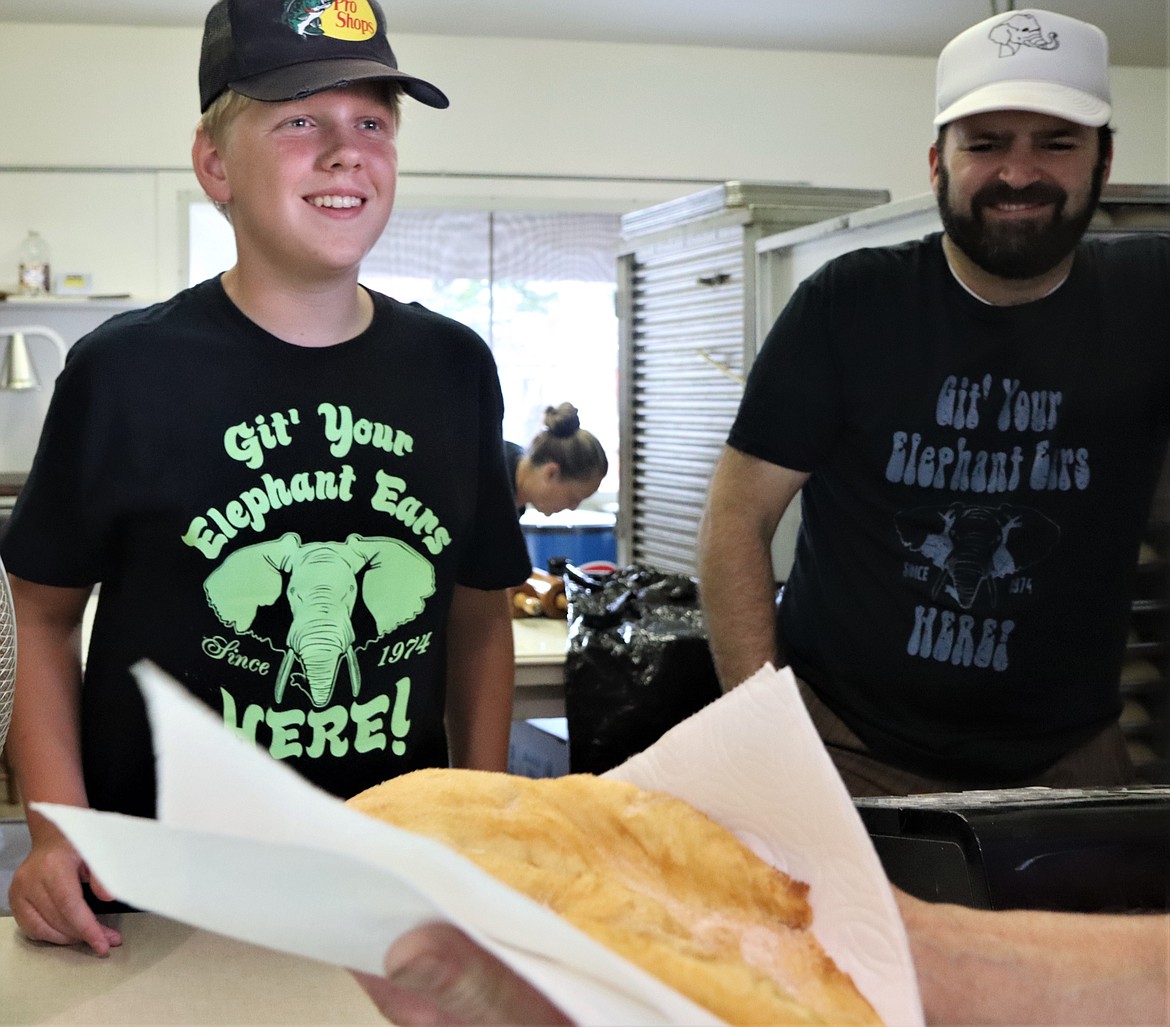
[(562, 421)]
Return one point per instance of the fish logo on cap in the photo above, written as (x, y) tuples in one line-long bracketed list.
[(337, 19)]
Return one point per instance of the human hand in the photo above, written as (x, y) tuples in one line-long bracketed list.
[(435, 974), (46, 897)]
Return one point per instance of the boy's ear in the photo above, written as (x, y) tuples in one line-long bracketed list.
[(209, 168)]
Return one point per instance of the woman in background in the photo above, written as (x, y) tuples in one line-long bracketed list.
[(561, 468)]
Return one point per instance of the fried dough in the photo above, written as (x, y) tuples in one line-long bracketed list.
[(645, 874)]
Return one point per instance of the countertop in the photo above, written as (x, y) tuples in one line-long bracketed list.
[(539, 645), (539, 640), (168, 973)]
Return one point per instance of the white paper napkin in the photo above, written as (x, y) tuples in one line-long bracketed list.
[(245, 847), (753, 762)]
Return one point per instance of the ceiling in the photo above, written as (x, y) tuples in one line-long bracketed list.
[(1138, 30)]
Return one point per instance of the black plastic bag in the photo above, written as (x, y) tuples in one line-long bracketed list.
[(637, 662)]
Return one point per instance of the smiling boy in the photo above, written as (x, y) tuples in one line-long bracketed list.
[(295, 497)]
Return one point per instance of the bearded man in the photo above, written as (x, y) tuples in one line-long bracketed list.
[(975, 423)]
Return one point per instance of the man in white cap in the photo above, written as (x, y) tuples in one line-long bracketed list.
[(975, 422), (1014, 81)]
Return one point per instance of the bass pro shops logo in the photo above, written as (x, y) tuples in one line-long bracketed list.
[(337, 19), (1019, 31)]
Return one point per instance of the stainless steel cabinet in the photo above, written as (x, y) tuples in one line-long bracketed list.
[(687, 313)]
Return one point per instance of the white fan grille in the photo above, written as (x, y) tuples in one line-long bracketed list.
[(7, 654)]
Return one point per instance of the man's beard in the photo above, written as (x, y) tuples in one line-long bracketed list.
[(1020, 249)]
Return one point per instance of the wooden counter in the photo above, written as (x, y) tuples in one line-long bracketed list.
[(169, 973)]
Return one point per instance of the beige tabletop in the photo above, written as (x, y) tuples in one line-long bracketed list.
[(169, 973), (539, 645)]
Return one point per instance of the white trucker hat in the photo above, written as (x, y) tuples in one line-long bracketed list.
[(1028, 60)]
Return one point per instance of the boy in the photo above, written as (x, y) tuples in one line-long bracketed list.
[(291, 490)]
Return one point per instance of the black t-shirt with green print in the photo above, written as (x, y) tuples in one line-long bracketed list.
[(278, 527)]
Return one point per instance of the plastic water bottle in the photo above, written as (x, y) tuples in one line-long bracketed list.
[(35, 277)]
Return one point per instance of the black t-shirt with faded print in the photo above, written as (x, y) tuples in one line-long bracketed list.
[(981, 477), (278, 527)]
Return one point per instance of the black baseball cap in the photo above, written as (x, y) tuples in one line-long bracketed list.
[(286, 49)]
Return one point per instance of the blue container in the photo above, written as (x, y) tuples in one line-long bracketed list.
[(580, 537)]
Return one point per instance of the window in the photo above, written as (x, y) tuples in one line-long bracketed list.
[(539, 288)]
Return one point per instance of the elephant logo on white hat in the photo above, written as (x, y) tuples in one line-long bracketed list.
[(1019, 31)]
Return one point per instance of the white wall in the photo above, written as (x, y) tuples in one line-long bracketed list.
[(96, 129)]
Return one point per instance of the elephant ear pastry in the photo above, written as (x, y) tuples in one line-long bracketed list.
[(645, 874)]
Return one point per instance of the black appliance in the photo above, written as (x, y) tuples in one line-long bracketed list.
[(1087, 850)]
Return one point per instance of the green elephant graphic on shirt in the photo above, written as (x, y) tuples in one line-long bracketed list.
[(323, 579)]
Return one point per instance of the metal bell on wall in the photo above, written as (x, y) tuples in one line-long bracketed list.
[(18, 373)]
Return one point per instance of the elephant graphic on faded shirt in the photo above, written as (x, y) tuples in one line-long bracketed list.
[(974, 545), (323, 580)]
